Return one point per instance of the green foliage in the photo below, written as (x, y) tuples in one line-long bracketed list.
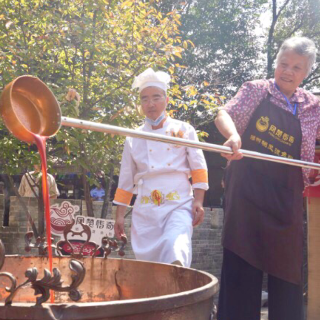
[(87, 52), (230, 46), (15, 155), (295, 18), (225, 42), (195, 104)]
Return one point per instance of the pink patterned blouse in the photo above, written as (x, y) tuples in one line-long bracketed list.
[(248, 98)]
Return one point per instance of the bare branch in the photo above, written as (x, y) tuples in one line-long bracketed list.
[(283, 7)]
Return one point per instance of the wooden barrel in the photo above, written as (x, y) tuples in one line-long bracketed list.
[(313, 258)]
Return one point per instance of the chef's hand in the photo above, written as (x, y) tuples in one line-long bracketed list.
[(234, 142), (197, 207), (197, 213), (119, 224)]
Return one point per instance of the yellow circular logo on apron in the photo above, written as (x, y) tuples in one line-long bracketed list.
[(262, 124)]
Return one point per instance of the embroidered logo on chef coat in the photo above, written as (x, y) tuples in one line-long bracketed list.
[(145, 200), (176, 134), (158, 198), (262, 124), (173, 196)]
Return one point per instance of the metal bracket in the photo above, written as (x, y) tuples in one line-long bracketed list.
[(47, 283)]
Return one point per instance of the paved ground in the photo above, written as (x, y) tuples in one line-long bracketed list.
[(264, 314)]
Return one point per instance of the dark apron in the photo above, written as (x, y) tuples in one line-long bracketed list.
[(263, 210)]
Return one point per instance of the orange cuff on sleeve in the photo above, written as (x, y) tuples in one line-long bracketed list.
[(123, 196), (199, 176)]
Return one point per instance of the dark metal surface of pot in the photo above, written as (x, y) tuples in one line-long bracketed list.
[(115, 289)]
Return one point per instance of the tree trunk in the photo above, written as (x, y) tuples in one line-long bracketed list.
[(86, 191), (270, 40), (106, 201), (41, 213), (6, 192), (270, 50)]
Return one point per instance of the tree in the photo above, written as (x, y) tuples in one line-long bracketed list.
[(225, 42), (290, 18), (229, 45), (87, 52), (93, 47)]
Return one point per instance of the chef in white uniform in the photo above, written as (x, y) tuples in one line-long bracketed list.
[(167, 206)]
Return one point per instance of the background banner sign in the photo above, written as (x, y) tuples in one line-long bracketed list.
[(63, 214)]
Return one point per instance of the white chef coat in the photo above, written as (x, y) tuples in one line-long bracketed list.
[(159, 174)]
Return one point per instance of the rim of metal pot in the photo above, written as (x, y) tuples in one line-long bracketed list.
[(76, 311)]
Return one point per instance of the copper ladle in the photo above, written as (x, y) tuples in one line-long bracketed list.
[(28, 106)]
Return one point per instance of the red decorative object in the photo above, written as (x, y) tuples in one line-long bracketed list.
[(313, 191)]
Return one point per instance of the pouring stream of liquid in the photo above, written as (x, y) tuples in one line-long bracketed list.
[(41, 144)]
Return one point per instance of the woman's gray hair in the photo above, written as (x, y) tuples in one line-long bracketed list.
[(302, 46)]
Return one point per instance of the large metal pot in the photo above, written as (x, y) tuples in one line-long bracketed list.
[(115, 289), (29, 107)]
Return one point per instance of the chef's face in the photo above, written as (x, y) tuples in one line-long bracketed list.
[(153, 102)]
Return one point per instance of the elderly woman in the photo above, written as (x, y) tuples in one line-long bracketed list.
[(165, 209), (263, 227)]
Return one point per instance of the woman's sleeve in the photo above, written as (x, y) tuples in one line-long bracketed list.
[(197, 162), (318, 117), (244, 103), (128, 170)]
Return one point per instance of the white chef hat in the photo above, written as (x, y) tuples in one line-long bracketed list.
[(149, 78)]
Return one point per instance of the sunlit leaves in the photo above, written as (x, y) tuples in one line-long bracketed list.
[(95, 47)]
